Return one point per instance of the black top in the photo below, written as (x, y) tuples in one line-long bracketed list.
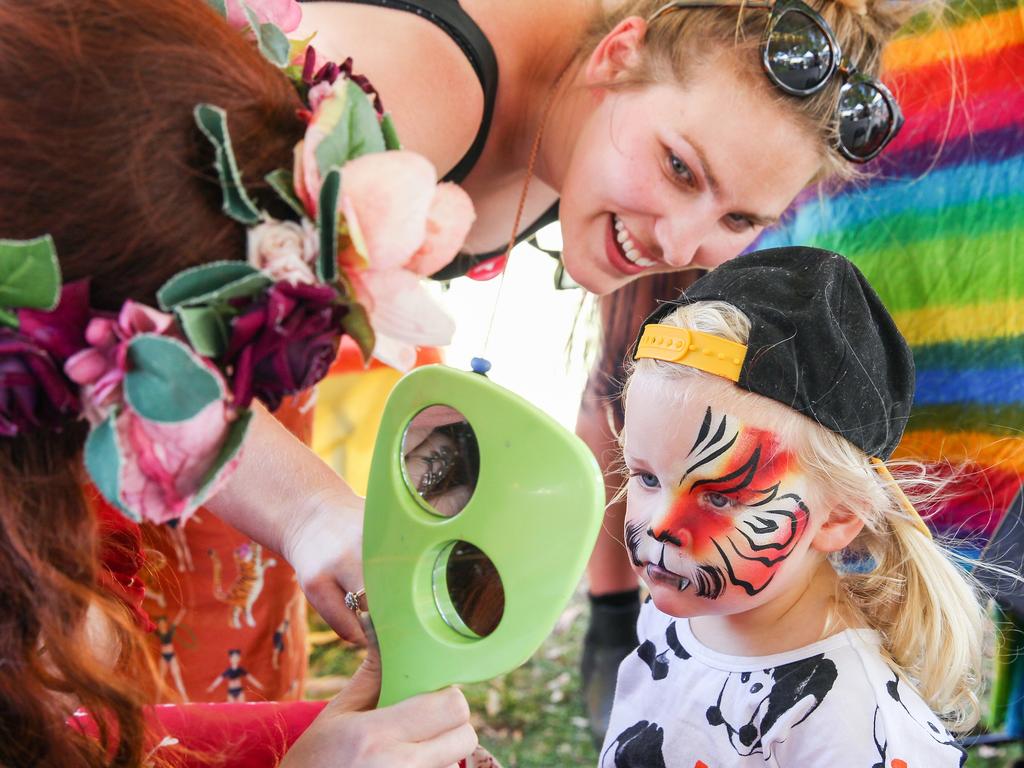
[(460, 27)]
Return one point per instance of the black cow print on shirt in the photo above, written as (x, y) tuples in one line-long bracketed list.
[(801, 686), (923, 717), (658, 663), (673, 642), (639, 746)]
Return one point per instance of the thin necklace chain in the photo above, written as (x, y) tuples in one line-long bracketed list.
[(530, 165)]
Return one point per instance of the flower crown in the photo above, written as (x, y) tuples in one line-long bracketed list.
[(167, 391)]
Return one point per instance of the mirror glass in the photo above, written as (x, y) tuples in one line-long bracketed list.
[(468, 590), (440, 460)]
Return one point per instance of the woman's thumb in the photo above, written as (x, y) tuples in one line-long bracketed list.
[(363, 691)]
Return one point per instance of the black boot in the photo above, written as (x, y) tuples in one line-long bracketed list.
[(611, 636)]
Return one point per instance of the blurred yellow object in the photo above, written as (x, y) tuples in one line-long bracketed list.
[(350, 402)]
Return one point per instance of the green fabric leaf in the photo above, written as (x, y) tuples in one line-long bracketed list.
[(282, 182), (205, 328), (220, 6), (8, 318), (213, 122), (357, 325), (327, 225), (229, 450), (274, 44), (358, 132), (387, 128), (166, 382), (209, 283), (103, 462), (29, 275)]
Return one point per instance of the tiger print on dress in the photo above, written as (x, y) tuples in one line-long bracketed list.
[(245, 590)]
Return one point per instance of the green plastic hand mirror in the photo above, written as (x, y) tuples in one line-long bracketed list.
[(481, 513)]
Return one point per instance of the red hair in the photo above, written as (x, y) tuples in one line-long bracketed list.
[(99, 149)]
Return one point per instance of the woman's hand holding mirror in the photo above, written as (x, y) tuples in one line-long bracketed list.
[(431, 730)]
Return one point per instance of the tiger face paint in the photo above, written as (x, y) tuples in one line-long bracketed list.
[(715, 505)]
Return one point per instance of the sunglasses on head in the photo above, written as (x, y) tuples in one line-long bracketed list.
[(800, 55)]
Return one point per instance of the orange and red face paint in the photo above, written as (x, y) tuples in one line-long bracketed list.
[(756, 528)]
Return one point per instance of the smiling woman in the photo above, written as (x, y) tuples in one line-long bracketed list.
[(669, 143)]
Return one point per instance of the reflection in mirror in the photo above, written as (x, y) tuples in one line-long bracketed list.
[(440, 460), (468, 590)]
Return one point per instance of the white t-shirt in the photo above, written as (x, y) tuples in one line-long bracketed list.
[(831, 704)]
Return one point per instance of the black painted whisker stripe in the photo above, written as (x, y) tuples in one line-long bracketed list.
[(710, 582), (710, 457), (766, 526), (634, 535), (746, 586), (745, 473), (771, 493), (705, 427), (765, 561)]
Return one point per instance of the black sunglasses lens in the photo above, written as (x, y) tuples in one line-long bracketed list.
[(865, 119), (799, 53)]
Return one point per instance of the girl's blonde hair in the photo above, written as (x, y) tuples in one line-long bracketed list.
[(926, 608), (681, 40)]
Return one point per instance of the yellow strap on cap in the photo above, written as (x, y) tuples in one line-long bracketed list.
[(696, 349), (901, 497)]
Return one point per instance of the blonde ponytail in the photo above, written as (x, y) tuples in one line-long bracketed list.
[(927, 610)]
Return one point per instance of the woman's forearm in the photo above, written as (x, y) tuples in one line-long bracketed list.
[(278, 486)]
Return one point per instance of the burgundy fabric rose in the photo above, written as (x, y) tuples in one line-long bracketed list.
[(34, 392), (284, 343)]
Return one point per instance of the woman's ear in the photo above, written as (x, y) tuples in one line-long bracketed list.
[(838, 531), (617, 53)]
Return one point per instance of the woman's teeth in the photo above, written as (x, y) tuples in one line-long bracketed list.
[(628, 248)]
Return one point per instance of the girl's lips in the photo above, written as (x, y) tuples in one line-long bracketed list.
[(662, 575), (614, 251)]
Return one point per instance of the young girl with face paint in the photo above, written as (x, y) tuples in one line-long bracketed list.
[(800, 612)]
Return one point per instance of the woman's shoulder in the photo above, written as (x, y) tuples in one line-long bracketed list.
[(425, 79)]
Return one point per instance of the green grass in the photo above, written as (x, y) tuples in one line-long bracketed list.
[(532, 717)]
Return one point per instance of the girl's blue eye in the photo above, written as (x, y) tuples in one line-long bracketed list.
[(647, 480), (718, 500)]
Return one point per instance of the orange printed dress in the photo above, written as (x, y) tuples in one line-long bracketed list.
[(230, 619)]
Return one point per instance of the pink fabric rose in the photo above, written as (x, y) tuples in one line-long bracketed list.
[(166, 463), (286, 14), (403, 225), (326, 106), (100, 368), (284, 250)]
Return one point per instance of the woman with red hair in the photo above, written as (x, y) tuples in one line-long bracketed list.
[(100, 150)]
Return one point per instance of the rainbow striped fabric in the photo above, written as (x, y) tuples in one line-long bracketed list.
[(939, 231)]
